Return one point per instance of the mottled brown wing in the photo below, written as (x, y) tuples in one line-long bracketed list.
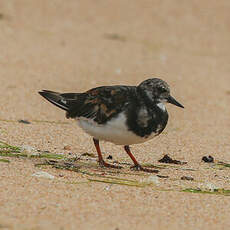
[(102, 103)]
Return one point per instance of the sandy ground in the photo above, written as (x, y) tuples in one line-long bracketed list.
[(72, 46)]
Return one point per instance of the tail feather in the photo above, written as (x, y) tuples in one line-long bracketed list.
[(55, 98)]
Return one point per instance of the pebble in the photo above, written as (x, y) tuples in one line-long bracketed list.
[(152, 180), (167, 159), (208, 186), (208, 159), (24, 122), (186, 178), (107, 188), (43, 175), (109, 157), (67, 147), (29, 149)]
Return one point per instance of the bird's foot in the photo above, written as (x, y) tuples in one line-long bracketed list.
[(107, 165), (140, 168)]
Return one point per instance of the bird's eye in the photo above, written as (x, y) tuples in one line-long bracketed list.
[(162, 90)]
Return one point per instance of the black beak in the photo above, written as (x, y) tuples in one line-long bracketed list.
[(174, 102)]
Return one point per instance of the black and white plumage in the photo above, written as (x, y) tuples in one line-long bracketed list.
[(123, 115)]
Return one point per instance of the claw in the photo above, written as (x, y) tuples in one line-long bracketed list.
[(140, 168), (107, 165)]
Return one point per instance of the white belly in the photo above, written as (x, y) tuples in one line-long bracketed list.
[(114, 131)]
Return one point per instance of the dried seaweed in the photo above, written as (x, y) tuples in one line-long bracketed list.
[(222, 191)]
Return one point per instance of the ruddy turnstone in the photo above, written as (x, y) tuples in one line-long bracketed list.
[(123, 115)]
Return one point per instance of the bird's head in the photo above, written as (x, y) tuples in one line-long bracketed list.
[(158, 91)]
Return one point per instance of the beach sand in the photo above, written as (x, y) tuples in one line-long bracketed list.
[(72, 46)]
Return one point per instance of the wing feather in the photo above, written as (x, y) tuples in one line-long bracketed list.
[(99, 104)]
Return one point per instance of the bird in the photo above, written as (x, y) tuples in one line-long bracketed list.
[(121, 114)]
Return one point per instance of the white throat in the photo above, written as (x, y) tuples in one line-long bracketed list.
[(161, 106)]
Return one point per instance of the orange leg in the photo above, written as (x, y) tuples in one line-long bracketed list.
[(102, 163), (137, 166)]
